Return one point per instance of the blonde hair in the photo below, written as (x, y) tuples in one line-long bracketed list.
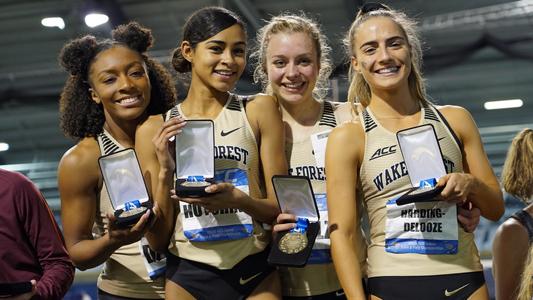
[(359, 90), (525, 292), (517, 173), (289, 23)]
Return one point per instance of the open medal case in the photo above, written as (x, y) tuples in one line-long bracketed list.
[(423, 159), (295, 196), (125, 186), (195, 158)]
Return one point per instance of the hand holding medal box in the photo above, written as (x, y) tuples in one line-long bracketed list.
[(195, 158), (125, 186), (295, 196), (424, 162)]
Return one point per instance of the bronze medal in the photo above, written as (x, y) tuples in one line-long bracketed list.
[(293, 242)]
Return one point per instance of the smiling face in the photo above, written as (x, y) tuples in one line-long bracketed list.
[(119, 81), (382, 54), (219, 61), (292, 66)]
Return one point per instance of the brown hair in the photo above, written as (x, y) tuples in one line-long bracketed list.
[(517, 173)]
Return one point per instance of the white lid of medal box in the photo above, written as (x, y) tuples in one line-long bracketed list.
[(295, 196), (421, 153), (123, 178), (195, 150)]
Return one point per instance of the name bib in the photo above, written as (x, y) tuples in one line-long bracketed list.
[(423, 228), (200, 225), (155, 262)]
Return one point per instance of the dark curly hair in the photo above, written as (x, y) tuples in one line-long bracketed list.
[(80, 116), (201, 25)]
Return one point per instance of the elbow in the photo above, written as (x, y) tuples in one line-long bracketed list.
[(82, 266)]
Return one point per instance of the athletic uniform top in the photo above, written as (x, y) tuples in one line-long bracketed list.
[(318, 276), (383, 176), (124, 273), (526, 220), (223, 238)]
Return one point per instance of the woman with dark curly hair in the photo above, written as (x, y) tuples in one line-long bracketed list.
[(112, 87)]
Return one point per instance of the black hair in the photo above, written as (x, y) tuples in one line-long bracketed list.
[(201, 25), (80, 116)]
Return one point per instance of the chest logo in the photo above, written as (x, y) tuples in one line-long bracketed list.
[(224, 133), (383, 152)]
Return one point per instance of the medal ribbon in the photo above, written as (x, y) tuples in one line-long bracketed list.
[(301, 225), (197, 178), (132, 205), (427, 183)]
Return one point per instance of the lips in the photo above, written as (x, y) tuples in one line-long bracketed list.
[(225, 73)]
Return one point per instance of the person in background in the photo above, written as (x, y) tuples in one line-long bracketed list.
[(513, 238), (113, 86), (32, 248), (220, 251), (404, 262)]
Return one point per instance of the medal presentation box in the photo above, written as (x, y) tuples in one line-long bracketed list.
[(125, 186), (423, 159), (195, 158), (295, 196)]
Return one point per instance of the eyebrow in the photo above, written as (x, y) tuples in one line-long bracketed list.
[(224, 43), (387, 40), (128, 66)]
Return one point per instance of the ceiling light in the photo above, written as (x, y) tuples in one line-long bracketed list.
[(95, 19), (502, 104), (4, 147), (53, 22)]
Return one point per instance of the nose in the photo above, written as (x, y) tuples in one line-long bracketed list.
[(126, 83), (227, 57), (292, 70), (384, 55)]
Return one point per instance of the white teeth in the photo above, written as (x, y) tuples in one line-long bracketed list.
[(225, 73), (293, 85), (128, 100), (387, 70)]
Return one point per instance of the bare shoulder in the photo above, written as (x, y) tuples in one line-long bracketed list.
[(261, 101), (348, 136), (511, 231), (460, 120), (80, 159)]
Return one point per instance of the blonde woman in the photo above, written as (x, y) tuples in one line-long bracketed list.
[(513, 238), (386, 79)]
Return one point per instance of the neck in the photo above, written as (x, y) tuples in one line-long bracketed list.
[(305, 114), (394, 104), (123, 130), (202, 101)]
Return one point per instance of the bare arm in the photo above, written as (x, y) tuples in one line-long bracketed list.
[(157, 163), (342, 162), (478, 184), (509, 254), (78, 181)]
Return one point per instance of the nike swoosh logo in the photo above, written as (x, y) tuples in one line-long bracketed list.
[(243, 281), (222, 133), (448, 294)]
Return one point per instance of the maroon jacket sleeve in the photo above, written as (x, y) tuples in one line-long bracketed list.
[(44, 235)]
